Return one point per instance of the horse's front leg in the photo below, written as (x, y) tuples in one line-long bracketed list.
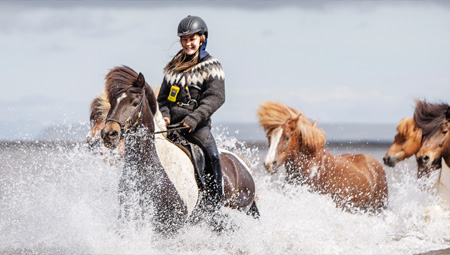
[(129, 197)]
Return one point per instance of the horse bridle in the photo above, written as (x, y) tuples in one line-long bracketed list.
[(122, 125)]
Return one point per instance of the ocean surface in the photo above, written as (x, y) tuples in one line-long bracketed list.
[(58, 198)]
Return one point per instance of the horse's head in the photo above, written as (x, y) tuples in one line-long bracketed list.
[(271, 117), (130, 108), (435, 145), (297, 137), (406, 142), (283, 140), (287, 131)]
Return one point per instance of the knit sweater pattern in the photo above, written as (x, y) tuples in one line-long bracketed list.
[(206, 83)]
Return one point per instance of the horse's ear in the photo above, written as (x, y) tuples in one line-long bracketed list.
[(140, 81), (447, 114)]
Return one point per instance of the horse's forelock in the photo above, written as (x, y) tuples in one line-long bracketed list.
[(119, 80), (312, 136), (406, 127), (272, 115), (429, 117)]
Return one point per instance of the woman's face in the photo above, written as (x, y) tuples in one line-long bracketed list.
[(191, 43)]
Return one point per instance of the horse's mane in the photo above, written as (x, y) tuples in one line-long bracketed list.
[(406, 127), (312, 136), (99, 108), (121, 79), (429, 117), (272, 115)]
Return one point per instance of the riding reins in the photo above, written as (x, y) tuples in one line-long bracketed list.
[(122, 125)]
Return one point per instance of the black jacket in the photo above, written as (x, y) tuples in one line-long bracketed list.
[(206, 83)]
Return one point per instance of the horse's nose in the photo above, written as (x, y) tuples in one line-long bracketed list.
[(389, 161), (112, 134), (270, 166), (423, 159)]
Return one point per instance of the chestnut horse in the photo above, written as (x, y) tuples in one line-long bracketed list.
[(406, 143), (354, 181), (158, 171), (434, 120)]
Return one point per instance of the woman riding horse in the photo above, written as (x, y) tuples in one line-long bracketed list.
[(192, 90)]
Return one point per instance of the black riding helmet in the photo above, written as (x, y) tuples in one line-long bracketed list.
[(192, 25)]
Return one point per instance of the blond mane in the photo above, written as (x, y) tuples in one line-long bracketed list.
[(99, 108), (272, 115), (312, 136), (406, 127)]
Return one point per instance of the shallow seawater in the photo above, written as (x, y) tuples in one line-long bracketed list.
[(59, 198)]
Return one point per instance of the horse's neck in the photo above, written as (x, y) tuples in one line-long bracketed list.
[(311, 165), (160, 124), (139, 147), (446, 159), (443, 184), (446, 153)]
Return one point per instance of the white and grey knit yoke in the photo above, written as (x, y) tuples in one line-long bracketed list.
[(206, 83)]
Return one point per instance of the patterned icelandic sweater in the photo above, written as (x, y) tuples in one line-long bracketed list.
[(206, 82)]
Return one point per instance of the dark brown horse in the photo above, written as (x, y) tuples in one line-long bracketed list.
[(165, 174), (406, 143), (352, 180), (434, 120)]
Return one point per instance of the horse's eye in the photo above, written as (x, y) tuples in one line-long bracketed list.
[(445, 132), (135, 104), (286, 138)]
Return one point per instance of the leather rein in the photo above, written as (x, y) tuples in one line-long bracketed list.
[(122, 125)]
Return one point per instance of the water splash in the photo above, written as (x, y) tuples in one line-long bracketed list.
[(60, 198)]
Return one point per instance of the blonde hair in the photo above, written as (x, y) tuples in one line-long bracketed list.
[(179, 63)]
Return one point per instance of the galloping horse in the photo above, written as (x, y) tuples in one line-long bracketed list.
[(406, 143), (352, 180), (157, 171), (434, 120)]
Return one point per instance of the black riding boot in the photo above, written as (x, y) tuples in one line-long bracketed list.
[(214, 181), (213, 172)]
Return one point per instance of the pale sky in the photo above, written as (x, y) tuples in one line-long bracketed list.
[(337, 61)]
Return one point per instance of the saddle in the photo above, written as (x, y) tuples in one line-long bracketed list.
[(193, 151)]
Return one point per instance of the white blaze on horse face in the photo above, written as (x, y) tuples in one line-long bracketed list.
[(124, 95), (272, 153)]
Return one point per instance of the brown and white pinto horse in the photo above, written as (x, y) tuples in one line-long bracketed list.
[(406, 143), (156, 169), (434, 120), (354, 181)]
